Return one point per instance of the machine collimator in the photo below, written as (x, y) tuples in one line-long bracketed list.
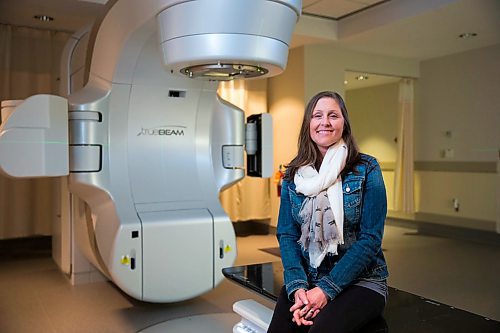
[(149, 147)]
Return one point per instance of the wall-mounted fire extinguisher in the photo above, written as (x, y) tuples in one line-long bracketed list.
[(278, 179)]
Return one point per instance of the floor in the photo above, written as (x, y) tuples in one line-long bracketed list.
[(36, 297)]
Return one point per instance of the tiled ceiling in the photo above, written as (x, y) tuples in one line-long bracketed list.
[(70, 15), (337, 9)]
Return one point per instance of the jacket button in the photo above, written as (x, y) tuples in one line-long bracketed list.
[(348, 189)]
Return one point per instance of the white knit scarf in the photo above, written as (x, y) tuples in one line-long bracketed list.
[(323, 209)]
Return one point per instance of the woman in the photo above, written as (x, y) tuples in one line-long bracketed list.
[(330, 227)]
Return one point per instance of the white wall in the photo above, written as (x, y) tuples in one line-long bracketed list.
[(373, 112), (325, 66), (461, 94), (458, 108)]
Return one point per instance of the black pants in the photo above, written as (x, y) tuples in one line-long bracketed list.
[(348, 312)]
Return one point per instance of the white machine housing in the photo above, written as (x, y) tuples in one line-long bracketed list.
[(150, 148), (34, 137)]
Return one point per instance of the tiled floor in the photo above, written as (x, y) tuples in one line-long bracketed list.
[(35, 296), (455, 272)]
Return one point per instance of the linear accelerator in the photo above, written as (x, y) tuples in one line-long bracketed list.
[(148, 144)]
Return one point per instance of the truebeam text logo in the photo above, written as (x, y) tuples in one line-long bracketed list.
[(167, 130)]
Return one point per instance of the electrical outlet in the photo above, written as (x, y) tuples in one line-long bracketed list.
[(447, 153)]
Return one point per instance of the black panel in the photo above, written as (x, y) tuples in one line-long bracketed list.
[(404, 312)]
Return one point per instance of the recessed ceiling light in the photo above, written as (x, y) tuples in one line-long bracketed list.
[(361, 77), (345, 81), (467, 35), (44, 18)]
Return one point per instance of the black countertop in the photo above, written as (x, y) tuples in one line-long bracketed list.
[(404, 312)]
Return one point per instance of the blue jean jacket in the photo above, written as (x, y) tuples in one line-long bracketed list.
[(360, 257)]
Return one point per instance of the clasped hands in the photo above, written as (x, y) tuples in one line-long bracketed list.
[(307, 305)]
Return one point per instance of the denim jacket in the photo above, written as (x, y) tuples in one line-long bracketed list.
[(360, 257)]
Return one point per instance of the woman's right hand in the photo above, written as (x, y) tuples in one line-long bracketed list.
[(300, 307), (300, 297)]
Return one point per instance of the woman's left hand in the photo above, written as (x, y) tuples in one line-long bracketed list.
[(317, 298)]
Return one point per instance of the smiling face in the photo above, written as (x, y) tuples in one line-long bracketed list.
[(327, 124)]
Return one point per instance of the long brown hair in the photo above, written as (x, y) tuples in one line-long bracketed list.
[(308, 152)]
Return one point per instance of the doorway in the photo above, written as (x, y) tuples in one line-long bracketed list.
[(372, 101)]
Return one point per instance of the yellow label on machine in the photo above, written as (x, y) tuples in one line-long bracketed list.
[(125, 260)]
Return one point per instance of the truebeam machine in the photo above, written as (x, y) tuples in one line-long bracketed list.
[(147, 146)]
